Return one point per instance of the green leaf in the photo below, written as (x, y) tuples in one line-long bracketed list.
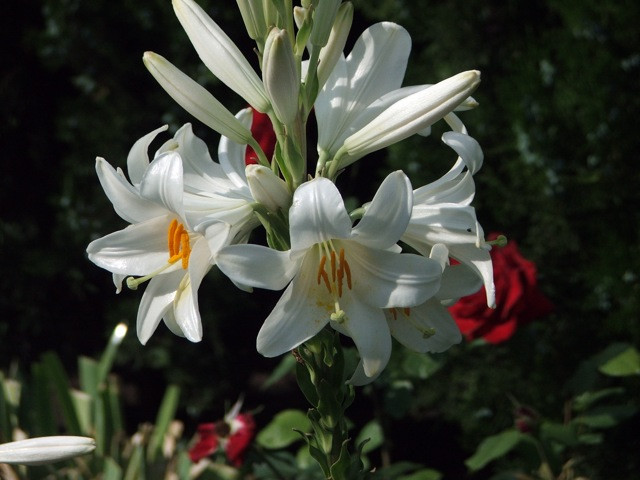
[(372, 432), (606, 417), (166, 414), (420, 365), (287, 365), (559, 432), (493, 447), (281, 431), (624, 364), (424, 474), (588, 399), (112, 470), (60, 384)]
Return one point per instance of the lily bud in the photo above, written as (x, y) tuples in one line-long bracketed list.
[(408, 116), (323, 17), (43, 450), (221, 56), (195, 99), (280, 75), (253, 18), (267, 188), (330, 54)]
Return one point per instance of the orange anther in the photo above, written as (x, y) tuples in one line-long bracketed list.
[(333, 265), (406, 311), (323, 260)]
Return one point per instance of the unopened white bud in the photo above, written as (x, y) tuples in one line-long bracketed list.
[(330, 54), (42, 450), (267, 188), (409, 115), (195, 99), (323, 17), (280, 75)]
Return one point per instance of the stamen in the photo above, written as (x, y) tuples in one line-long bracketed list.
[(406, 311), (172, 228), (186, 250), (322, 274), (394, 313), (347, 269), (333, 265)]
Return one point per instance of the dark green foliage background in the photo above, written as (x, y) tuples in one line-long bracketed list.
[(558, 104)]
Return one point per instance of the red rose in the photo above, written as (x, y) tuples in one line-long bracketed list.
[(518, 299), (233, 435), (262, 131)]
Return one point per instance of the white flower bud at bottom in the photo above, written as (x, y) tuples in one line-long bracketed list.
[(43, 450), (267, 188)]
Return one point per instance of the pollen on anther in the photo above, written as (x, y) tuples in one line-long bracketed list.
[(170, 235), (322, 274)]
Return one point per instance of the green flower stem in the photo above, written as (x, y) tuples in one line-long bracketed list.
[(320, 374)]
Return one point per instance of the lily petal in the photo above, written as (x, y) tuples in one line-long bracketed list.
[(231, 154), (295, 318), (430, 316), (157, 299), (138, 249), (138, 158), (257, 266), (317, 214), (185, 305), (386, 279), (368, 328), (162, 182), (200, 172), (126, 200), (388, 214)]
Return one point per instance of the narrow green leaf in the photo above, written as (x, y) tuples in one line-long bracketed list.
[(135, 467), (44, 423), (166, 414), (281, 431), (88, 373), (61, 386), (111, 471), (493, 447)]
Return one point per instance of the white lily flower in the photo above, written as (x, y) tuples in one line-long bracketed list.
[(221, 56), (336, 273), (161, 244), (44, 450), (442, 213)]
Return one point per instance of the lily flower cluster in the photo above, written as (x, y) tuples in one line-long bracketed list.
[(189, 213)]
